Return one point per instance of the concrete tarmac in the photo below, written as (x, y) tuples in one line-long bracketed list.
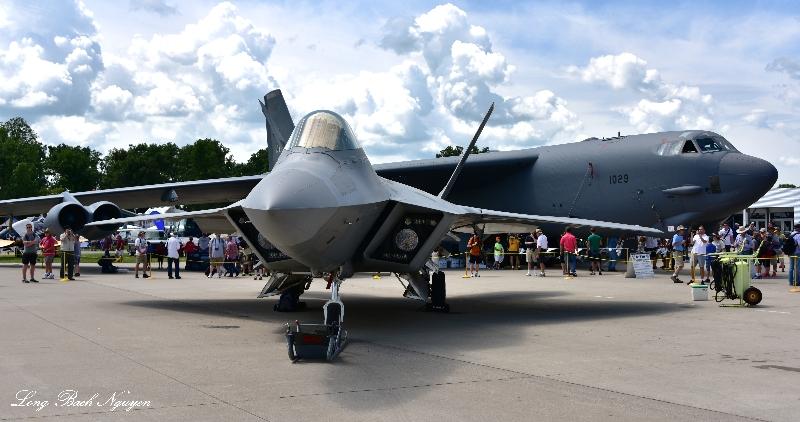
[(513, 348)]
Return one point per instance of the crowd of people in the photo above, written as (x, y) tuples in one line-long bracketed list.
[(230, 256), (768, 246), (221, 255)]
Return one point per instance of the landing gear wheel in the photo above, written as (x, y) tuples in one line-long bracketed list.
[(290, 341), (752, 296), (438, 294)]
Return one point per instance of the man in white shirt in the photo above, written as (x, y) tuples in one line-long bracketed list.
[(726, 234), (216, 254), (541, 248), (698, 256), (173, 254)]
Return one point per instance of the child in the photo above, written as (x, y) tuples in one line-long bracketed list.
[(499, 251)]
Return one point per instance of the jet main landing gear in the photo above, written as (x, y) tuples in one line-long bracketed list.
[(319, 341), (438, 294)]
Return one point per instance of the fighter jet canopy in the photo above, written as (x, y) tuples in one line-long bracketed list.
[(323, 129)]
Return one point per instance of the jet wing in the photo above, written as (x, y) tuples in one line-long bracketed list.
[(496, 221), (505, 222), (210, 191)]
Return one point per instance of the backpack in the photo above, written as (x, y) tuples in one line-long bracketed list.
[(790, 245)]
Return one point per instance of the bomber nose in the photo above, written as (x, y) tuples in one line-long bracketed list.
[(748, 174)]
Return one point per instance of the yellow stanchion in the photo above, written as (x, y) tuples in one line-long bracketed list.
[(466, 265), (64, 276)]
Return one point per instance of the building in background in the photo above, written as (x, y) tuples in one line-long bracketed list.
[(779, 205)]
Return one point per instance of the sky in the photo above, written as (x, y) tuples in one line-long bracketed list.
[(410, 77)]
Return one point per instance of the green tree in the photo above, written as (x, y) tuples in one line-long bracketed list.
[(451, 151), (205, 159), (72, 168), (141, 164), (21, 161), (258, 163)]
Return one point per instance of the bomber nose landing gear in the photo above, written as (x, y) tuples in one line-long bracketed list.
[(319, 341)]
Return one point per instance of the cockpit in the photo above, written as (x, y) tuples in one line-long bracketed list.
[(323, 129), (700, 144)]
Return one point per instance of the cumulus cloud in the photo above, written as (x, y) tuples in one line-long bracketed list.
[(47, 64), (173, 87), (666, 106), (202, 81), (463, 73)]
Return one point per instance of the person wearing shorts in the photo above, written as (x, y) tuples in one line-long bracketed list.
[(698, 256), (530, 251), (30, 248), (141, 255), (48, 246), (474, 247), (593, 245)]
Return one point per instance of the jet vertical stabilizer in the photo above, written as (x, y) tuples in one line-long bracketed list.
[(279, 124)]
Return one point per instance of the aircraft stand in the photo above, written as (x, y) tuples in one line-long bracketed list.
[(320, 341)]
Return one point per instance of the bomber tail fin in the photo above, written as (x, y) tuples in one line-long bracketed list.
[(279, 124)]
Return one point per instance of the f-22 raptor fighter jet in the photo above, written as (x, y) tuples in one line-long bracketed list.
[(323, 211)]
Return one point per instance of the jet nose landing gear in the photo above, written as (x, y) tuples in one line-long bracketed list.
[(319, 341)]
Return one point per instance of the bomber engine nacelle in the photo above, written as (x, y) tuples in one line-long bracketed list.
[(74, 215), (67, 214), (100, 211)]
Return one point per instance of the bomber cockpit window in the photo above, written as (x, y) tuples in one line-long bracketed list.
[(710, 145), (323, 129), (688, 147)]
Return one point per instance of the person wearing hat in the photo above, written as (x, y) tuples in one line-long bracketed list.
[(678, 248), (726, 234), (765, 252), (140, 245), (744, 242), (794, 265)]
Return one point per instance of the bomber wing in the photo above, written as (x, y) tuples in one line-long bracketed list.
[(208, 191), (215, 216)]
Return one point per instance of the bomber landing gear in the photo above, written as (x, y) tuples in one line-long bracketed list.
[(320, 341)]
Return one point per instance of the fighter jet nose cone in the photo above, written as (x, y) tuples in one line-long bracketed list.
[(294, 189)]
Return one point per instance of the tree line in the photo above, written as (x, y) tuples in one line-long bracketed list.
[(30, 168)]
